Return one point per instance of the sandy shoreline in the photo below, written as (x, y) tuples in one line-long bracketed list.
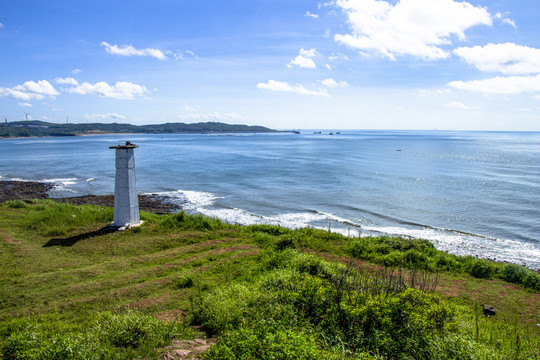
[(27, 190)]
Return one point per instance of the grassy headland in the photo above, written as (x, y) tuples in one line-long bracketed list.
[(71, 291), (41, 128)]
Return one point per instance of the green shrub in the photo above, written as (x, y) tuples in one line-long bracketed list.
[(260, 342), (482, 269), (514, 273), (273, 230), (198, 222), (32, 343), (285, 242), (16, 204), (224, 308), (186, 281)]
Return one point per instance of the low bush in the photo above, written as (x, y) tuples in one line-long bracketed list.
[(184, 221), (420, 254), (482, 269), (110, 336), (514, 273), (259, 342)]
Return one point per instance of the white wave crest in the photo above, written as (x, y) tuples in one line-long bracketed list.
[(64, 182)]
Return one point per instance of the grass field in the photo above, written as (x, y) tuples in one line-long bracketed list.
[(70, 290)]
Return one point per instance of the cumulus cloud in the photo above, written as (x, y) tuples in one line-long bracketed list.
[(457, 105), (76, 71), (309, 14), (106, 116), (507, 58), (303, 60), (30, 90), (129, 50), (120, 90), (274, 85), (500, 85), (410, 27), (66, 81), (332, 84)]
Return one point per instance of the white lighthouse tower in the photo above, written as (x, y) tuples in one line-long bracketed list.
[(126, 202)]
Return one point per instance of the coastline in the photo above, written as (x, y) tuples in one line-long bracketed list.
[(27, 190)]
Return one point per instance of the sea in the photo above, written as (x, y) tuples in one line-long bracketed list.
[(469, 193)]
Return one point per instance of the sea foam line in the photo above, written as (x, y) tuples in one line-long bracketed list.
[(453, 241)]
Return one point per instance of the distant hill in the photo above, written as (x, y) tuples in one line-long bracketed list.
[(41, 128)]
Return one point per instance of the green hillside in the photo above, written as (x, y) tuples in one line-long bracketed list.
[(189, 285), (40, 128)]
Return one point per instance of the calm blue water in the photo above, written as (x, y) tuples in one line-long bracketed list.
[(472, 193)]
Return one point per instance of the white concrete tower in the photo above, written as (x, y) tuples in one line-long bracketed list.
[(126, 202)]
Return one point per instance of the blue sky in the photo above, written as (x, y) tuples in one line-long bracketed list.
[(343, 64)]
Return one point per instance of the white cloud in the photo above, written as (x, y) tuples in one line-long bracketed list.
[(274, 85), (25, 104), (510, 22), (507, 58), (309, 14), (308, 53), (76, 71), (1, 25), (338, 56), (107, 116), (181, 54), (30, 90), (213, 116), (457, 105), (429, 92), (410, 27), (120, 90), (66, 81), (505, 20), (129, 50), (303, 60), (500, 85), (332, 84)]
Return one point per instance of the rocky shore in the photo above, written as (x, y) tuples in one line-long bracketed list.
[(26, 190)]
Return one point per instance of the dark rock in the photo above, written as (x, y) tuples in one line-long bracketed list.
[(26, 190), (489, 310), (23, 190)]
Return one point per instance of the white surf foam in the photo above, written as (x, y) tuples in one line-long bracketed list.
[(61, 185), (447, 240), (63, 182), (188, 199), (468, 244)]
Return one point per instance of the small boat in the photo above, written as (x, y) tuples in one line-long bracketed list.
[(296, 131)]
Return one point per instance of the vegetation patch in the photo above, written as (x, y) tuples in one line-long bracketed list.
[(69, 290)]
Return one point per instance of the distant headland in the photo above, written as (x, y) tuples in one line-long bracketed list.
[(32, 128)]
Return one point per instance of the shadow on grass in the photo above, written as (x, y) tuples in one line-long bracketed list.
[(72, 240)]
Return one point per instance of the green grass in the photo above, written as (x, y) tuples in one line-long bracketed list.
[(69, 291)]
